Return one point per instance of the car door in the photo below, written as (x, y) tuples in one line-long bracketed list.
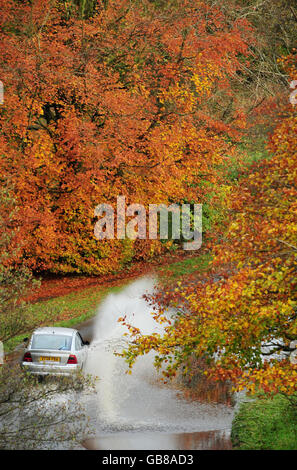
[(85, 348), (80, 349)]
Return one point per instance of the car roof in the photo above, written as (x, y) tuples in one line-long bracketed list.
[(55, 330)]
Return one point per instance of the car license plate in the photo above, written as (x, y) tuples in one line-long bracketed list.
[(49, 359)]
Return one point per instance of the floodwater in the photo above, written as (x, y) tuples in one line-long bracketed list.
[(138, 411)]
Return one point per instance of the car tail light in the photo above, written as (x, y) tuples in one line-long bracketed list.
[(72, 359), (27, 357)]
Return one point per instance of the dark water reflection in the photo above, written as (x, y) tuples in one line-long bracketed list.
[(210, 440)]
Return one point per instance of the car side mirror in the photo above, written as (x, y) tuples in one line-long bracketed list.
[(25, 340), (86, 343)]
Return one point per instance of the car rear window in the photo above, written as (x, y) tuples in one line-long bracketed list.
[(57, 342)]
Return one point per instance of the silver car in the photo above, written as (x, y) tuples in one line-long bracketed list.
[(56, 351)]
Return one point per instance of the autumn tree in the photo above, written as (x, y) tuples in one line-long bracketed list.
[(242, 319), (128, 99), (262, 83), (15, 282)]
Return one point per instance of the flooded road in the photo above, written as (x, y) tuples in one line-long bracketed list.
[(137, 411)]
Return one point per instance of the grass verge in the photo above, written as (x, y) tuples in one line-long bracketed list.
[(266, 424), (186, 267)]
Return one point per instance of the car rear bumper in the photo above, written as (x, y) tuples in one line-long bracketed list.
[(49, 369)]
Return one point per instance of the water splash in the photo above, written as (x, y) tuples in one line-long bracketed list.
[(138, 402)]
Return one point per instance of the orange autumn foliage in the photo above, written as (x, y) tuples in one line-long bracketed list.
[(242, 319), (128, 101)]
